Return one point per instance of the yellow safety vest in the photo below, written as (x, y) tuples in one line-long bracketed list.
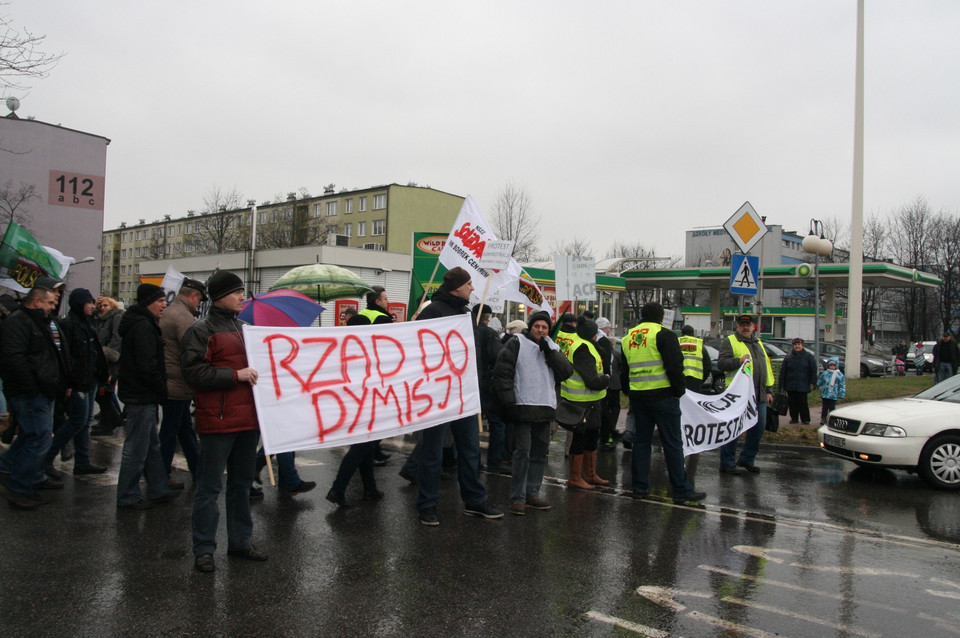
[(643, 358), (574, 389), (371, 315), (564, 341), (692, 348), (740, 349)]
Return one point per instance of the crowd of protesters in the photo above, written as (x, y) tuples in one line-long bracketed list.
[(184, 380)]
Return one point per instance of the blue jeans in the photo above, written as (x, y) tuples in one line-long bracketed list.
[(751, 444), (25, 456), (665, 414), (288, 477), (498, 432), (79, 409), (466, 439), (141, 455), (237, 453), (943, 372), (359, 456), (177, 424), (531, 443)]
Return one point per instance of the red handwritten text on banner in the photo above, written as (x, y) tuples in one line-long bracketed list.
[(323, 387)]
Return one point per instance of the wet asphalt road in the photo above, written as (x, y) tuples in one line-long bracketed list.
[(809, 547)]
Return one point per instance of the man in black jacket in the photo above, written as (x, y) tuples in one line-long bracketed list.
[(488, 348), (88, 369), (143, 386), (449, 300), (32, 374)]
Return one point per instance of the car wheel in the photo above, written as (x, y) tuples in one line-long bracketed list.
[(940, 462), (719, 384), (864, 371)]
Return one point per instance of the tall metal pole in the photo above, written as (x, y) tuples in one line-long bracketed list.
[(253, 243), (855, 286)]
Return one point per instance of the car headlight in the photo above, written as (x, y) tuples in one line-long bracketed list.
[(879, 429)]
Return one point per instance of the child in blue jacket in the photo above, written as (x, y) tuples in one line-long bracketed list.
[(833, 386)]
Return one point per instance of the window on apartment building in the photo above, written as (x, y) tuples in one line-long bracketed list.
[(261, 218), (348, 230), (361, 229), (347, 206), (316, 210), (123, 270), (379, 202), (373, 246), (362, 204), (331, 209), (189, 228), (137, 252), (169, 249), (379, 227), (287, 236), (137, 269)]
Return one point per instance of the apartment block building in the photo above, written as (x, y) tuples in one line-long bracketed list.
[(379, 218)]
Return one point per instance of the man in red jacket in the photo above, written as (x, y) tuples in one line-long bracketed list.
[(214, 363)]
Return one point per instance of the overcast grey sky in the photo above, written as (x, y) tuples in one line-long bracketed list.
[(629, 121)]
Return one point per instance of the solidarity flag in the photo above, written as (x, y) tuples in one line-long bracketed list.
[(464, 248), (326, 387), (710, 421), (23, 260)]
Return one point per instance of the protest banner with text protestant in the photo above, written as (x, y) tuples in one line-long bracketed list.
[(709, 421)]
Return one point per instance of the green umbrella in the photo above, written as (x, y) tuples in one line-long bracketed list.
[(323, 282)]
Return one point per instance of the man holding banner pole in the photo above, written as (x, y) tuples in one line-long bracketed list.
[(739, 348), (451, 299)]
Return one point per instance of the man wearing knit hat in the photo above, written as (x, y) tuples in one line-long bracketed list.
[(449, 300), (214, 364), (142, 388)]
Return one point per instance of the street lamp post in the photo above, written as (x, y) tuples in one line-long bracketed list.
[(819, 246)]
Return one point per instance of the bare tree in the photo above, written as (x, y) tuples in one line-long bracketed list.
[(21, 56), (910, 246), (217, 230), (574, 246), (15, 203), (945, 253), (513, 218)]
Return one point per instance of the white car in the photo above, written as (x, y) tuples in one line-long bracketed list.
[(918, 434)]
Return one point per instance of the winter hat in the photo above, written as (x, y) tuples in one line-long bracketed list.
[(835, 361), (483, 309), (148, 293), (540, 315), (796, 341), (78, 298), (193, 284), (455, 278), (222, 283), (567, 318), (586, 328), (603, 323), (516, 326), (50, 283)]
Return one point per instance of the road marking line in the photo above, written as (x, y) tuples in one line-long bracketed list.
[(940, 622), (944, 581), (643, 630), (792, 587), (731, 626), (944, 594), (664, 596), (856, 571), (791, 614), (762, 552)]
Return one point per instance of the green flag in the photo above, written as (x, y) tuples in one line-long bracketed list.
[(24, 259)]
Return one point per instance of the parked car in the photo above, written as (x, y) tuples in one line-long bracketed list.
[(927, 355), (917, 434), (870, 365), (717, 381)]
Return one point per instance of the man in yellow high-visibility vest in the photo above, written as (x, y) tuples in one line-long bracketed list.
[(742, 346), (651, 367), (696, 360)]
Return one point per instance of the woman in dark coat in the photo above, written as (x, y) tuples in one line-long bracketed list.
[(798, 375)]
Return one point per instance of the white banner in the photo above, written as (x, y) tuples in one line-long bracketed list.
[(172, 280), (710, 421), (465, 246), (575, 277), (327, 387)]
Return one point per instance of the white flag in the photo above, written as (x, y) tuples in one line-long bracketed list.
[(464, 248)]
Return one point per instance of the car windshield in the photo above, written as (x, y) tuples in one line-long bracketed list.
[(774, 350), (948, 390)]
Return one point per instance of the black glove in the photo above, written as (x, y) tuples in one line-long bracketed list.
[(544, 347)]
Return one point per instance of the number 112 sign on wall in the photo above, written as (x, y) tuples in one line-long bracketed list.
[(75, 190)]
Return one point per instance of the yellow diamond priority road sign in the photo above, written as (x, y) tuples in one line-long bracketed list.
[(745, 227)]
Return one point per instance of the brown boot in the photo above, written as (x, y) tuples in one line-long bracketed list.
[(575, 480), (590, 469)]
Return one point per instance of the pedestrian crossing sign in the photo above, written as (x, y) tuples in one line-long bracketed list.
[(744, 271)]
